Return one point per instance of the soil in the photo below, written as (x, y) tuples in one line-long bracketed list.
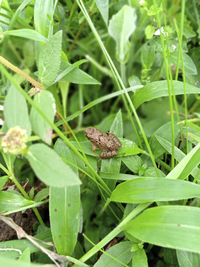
[(24, 219)]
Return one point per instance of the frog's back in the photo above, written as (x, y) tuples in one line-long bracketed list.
[(113, 142)]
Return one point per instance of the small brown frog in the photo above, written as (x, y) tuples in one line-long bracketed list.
[(107, 142)]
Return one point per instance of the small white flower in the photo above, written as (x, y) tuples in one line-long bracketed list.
[(173, 47), (161, 30), (157, 32), (14, 141), (142, 2)]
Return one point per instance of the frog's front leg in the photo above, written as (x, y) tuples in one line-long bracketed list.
[(108, 154), (93, 148)]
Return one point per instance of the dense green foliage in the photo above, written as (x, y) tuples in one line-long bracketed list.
[(128, 67)]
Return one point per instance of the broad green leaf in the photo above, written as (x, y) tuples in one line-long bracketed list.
[(154, 120), (69, 69), (147, 55), (103, 6), (188, 259), (12, 201), (92, 161), (27, 33), (149, 189), (128, 148), (120, 253), (65, 209), (164, 131), (64, 217), (139, 258), (65, 153), (43, 16), (13, 263), (42, 194), (168, 226), (179, 154), (117, 125), (10, 254), (45, 101), (189, 66), (16, 110), (186, 165), (158, 89), (75, 75), (50, 59), (50, 168), (121, 27), (133, 163)]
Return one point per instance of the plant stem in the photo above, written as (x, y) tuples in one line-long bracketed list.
[(165, 57), (11, 175), (104, 252), (114, 232), (80, 96)]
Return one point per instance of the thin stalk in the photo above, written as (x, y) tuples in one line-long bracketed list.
[(169, 86), (11, 175), (4, 169), (174, 96), (114, 232), (178, 63), (104, 70), (165, 165), (191, 120), (119, 82), (32, 206), (171, 80), (23, 74), (194, 106), (180, 37), (86, 173), (184, 80), (104, 252), (80, 97), (80, 264)]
